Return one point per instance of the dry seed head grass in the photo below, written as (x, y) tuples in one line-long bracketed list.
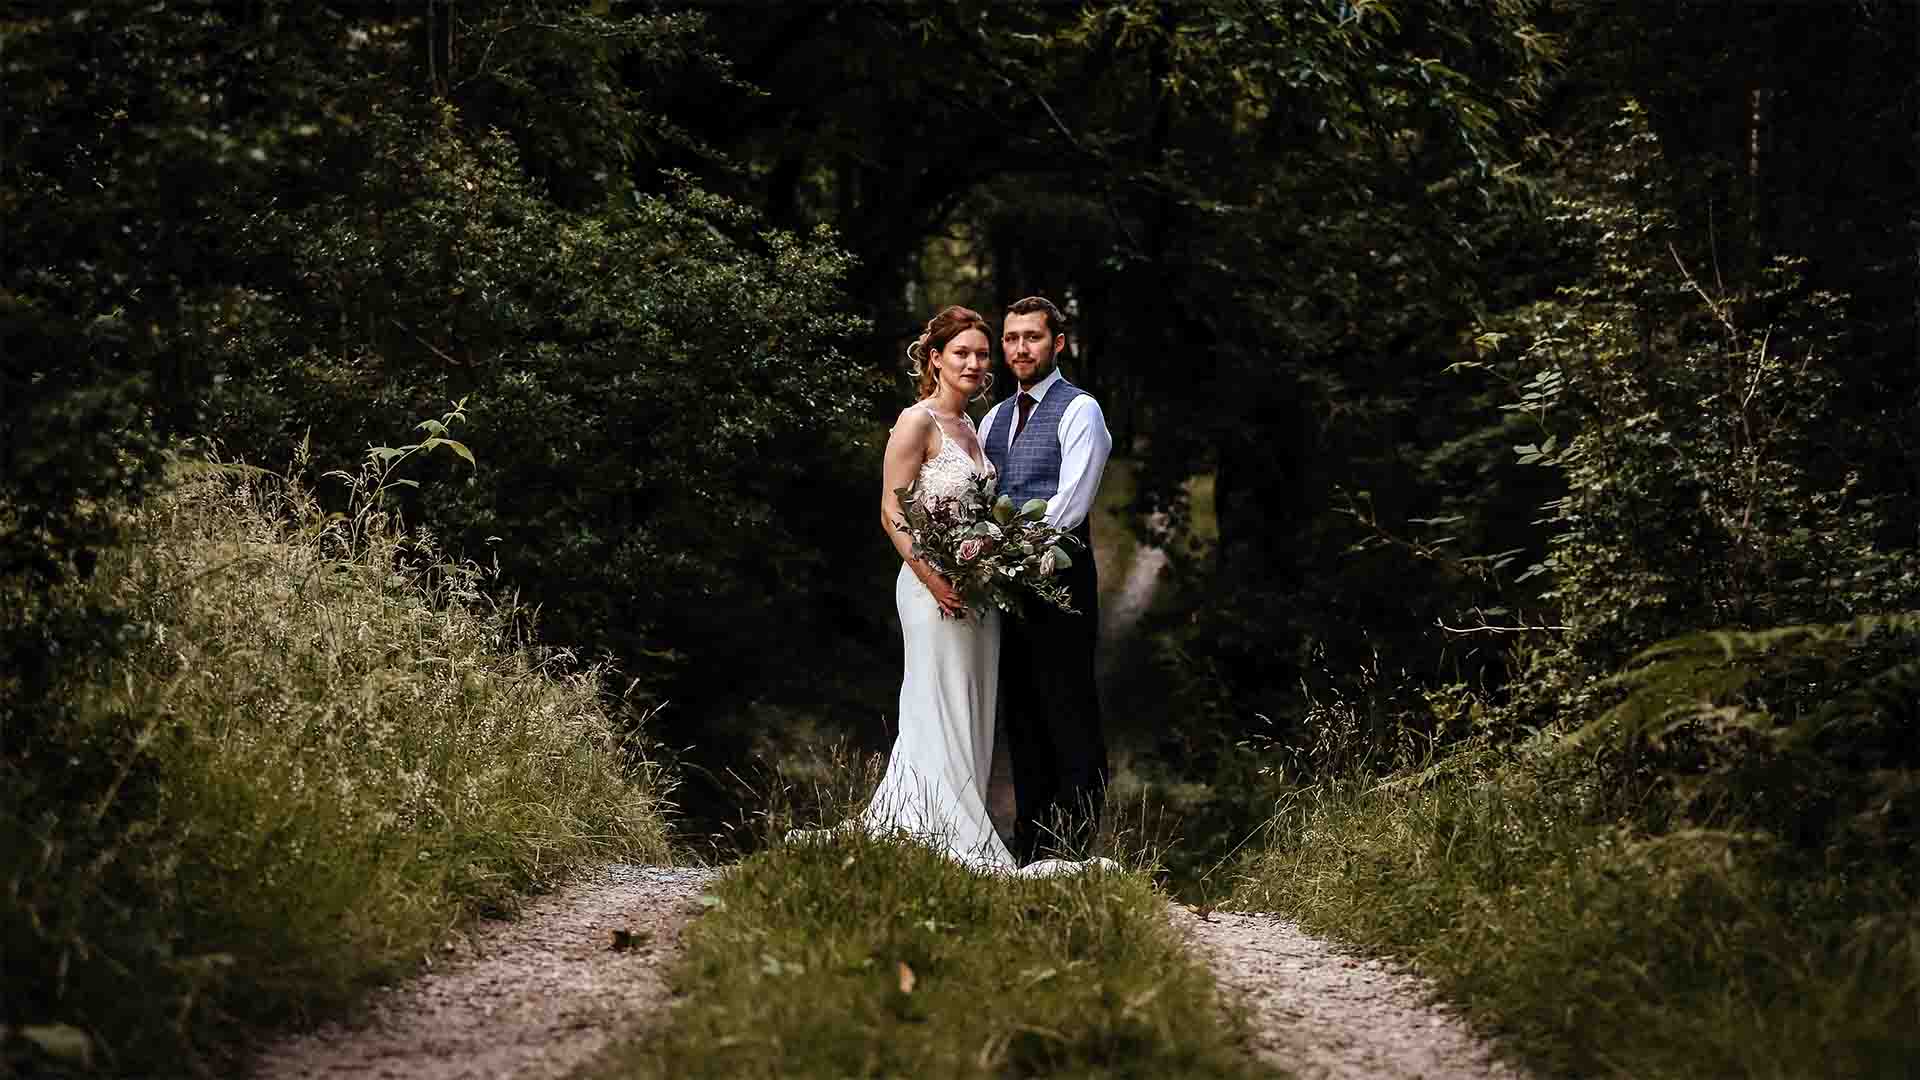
[(345, 670)]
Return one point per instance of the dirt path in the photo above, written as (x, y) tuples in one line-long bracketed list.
[(1322, 1012), (1122, 612), (538, 996)]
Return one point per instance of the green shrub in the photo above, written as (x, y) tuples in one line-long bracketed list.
[(325, 751)]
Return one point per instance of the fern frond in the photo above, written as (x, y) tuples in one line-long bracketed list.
[(1670, 683)]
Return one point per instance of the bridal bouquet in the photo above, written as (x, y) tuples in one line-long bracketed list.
[(989, 549)]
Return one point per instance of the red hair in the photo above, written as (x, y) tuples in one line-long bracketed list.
[(942, 328)]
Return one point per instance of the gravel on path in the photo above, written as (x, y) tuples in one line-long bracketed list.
[(1321, 1011), (538, 997)]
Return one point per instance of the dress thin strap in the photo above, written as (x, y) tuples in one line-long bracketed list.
[(937, 425)]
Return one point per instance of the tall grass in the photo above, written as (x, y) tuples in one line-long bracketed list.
[(1607, 946), (327, 751)]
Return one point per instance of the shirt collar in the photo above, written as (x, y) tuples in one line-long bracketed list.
[(1039, 392)]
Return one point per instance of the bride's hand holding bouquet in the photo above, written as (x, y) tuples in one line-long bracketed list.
[(944, 594)]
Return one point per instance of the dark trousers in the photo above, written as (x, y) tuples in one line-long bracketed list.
[(1051, 714)]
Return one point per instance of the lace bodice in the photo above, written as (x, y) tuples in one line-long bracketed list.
[(950, 471)]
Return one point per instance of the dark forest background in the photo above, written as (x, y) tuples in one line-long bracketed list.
[(1506, 339), (1341, 260)]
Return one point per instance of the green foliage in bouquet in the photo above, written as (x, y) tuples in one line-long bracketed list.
[(993, 552)]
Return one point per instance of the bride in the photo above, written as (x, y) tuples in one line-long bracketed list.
[(935, 785)]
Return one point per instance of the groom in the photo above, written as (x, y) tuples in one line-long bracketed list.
[(1050, 442)]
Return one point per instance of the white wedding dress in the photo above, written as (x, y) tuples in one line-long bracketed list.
[(935, 786), (934, 790)]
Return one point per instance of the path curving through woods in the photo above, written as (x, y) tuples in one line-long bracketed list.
[(1121, 615)]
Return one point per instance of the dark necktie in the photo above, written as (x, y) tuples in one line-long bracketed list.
[(1025, 406)]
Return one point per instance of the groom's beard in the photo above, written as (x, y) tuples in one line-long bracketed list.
[(1039, 376)]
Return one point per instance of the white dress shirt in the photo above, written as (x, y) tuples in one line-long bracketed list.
[(1084, 447)]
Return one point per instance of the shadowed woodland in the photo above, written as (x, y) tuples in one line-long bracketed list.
[(1526, 394)]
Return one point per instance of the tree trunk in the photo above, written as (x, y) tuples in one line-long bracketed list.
[(438, 45)]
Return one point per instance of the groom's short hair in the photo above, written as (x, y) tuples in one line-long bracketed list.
[(1056, 322)]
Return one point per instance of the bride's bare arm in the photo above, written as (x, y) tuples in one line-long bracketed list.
[(907, 450)]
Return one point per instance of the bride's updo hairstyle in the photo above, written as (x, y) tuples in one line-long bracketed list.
[(942, 328)]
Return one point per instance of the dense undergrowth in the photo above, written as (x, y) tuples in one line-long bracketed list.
[(318, 748)]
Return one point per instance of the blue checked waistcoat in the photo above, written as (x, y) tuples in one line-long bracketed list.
[(1029, 467)]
